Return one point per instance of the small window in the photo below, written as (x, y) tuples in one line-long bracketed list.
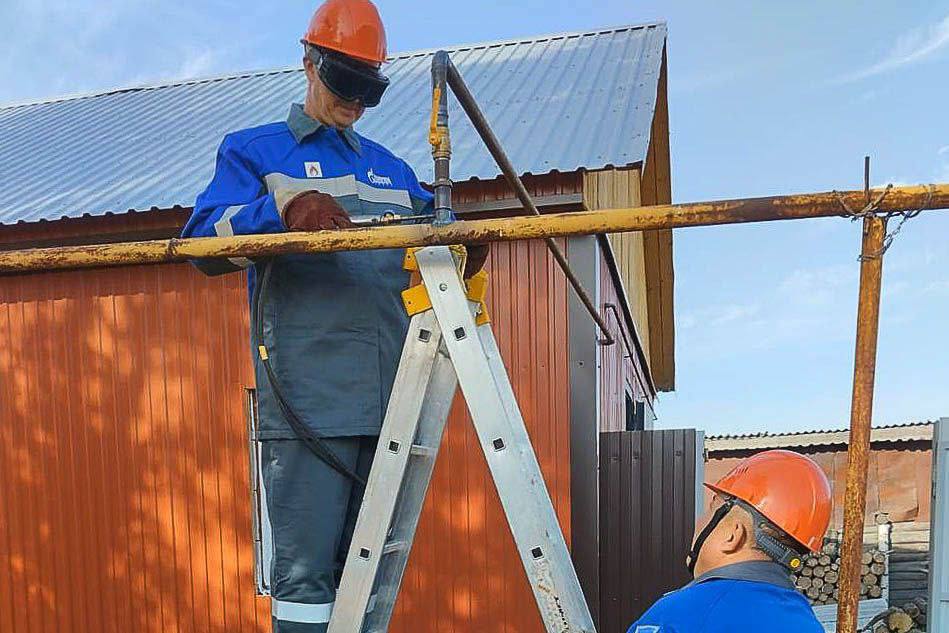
[(260, 520), (635, 413)]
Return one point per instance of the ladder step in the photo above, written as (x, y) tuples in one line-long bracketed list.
[(422, 451), (394, 546)]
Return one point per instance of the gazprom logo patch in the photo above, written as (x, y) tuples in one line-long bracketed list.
[(375, 179)]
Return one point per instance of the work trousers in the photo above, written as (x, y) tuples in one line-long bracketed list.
[(312, 510)]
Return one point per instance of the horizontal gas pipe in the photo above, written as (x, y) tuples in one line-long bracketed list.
[(480, 122), (670, 216)]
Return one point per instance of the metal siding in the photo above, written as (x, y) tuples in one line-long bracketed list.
[(124, 473), (618, 365), (583, 254), (153, 147), (939, 549), (647, 516)]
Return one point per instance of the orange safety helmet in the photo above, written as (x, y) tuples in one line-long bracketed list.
[(788, 489), (351, 27)]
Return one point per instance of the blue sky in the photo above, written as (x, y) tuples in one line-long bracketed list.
[(765, 98)]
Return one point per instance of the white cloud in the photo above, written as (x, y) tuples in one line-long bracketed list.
[(910, 48), (718, 315), (935, 288), (817, 286), (197, 64), (943, 150)]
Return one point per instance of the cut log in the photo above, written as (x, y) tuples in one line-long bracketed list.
[(807, 571), (804, 582), (870, 579), (900, 622), (824, 560), (810, 561), (867, 558), (864, 569), (875, 592), (812, 593), (879, 557), (877, 568), (831, 577)]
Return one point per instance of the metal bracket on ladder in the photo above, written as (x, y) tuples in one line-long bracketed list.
[(445, 347)]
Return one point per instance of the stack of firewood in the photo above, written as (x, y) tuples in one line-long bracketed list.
[(910, 618), (819, 575)]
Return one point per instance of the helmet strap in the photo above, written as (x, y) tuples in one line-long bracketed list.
[(776, 550), (693, 558)]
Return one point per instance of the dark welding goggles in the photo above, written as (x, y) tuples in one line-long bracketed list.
[(347, 78)]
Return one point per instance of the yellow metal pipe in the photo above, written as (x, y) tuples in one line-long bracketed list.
[(790, 207)]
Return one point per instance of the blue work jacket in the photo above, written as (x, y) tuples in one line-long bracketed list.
[(334, 323), (750, 597)]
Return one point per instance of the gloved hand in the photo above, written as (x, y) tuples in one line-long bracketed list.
[(315, 211), (474, 262)]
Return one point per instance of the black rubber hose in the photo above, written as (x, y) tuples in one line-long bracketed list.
[(310, 438)]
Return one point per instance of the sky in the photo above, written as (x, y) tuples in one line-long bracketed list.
[(765, 98)]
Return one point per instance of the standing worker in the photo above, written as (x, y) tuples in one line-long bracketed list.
[(765, 514), (328, 328)]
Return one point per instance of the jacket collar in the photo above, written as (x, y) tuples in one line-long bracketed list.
[(755, 571), (303, 125)]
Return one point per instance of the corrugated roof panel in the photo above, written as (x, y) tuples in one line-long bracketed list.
[(558, 103), (907, 432)]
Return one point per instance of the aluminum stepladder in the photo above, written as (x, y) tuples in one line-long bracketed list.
[(450, 343)]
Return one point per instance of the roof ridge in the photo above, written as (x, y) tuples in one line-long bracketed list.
[(276, 71), (768, 434), (530, 39)]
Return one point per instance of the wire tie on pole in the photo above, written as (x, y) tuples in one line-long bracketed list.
[(872, 209)]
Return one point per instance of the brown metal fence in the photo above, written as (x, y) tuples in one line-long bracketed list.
[(648, 482)]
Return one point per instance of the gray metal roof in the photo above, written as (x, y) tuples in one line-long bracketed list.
[(908, 432), (558, 103)]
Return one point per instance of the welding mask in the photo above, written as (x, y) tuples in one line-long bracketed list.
[(348, 78)]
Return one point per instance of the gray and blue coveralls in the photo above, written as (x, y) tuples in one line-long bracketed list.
[(333, 324)]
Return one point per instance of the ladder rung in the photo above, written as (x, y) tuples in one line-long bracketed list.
[(394, 546), (424, 451)]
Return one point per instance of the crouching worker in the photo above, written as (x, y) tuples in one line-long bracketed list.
[(327, 328), (766, 513)]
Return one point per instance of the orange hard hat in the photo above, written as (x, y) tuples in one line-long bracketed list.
[(351, 27), (788, 489)]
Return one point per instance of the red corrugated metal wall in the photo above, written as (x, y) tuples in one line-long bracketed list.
[(123, 465), (124, 495)]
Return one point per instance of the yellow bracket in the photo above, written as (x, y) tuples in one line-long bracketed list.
[(410, 264), (416, 298)]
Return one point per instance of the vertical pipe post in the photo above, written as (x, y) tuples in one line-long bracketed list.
[(440, 140), (858, 452)]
